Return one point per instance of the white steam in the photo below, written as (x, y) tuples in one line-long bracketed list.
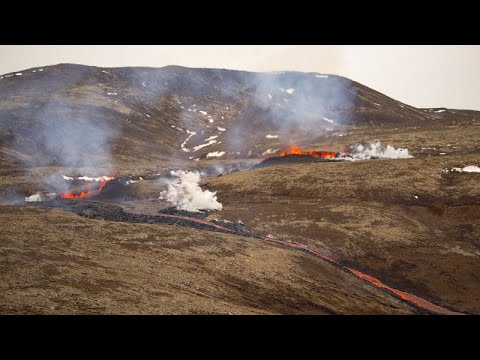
[(185, 193), (376, 150)]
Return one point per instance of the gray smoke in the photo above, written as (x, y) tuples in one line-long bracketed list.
[(298, 107)]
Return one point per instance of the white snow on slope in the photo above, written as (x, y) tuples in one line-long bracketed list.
[(212, 137), (270, 151), (148, 115), (328, 120), (271, 136), (220, 128), (203, 112), (270, 96), (210, 121), (215, 154), (100, 178), (18, 74), (32, 198), (322, 76), (290, 91), (439, 111), (183, 145), (105, 71), (470, 169), (196, 148), (67, 177), (113, 93)]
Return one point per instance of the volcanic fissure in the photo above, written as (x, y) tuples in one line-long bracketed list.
[(101, 211)]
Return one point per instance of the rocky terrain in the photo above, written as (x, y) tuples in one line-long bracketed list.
[(408, 222)]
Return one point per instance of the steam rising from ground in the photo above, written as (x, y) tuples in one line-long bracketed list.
[(376, 150), (185, 193)]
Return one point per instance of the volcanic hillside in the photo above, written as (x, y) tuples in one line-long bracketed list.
[(324, 237), (147, 114)]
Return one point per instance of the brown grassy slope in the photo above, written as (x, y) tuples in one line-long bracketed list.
[(57, 263), (365, 214)]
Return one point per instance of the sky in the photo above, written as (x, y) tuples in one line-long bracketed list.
[(419, 75)]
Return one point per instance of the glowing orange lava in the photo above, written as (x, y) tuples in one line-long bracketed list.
[(294, 149), (88, 193)]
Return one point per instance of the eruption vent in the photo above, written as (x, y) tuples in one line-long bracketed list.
[(298, 151), (89, 192)]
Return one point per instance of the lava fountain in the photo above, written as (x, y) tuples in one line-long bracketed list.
[(296, 150)]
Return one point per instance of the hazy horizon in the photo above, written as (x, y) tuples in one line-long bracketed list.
[(421, 76)]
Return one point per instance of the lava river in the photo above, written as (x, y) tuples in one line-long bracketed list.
[(410, 298)]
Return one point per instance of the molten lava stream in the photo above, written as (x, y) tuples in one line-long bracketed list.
[(296, 150), (90, 192)]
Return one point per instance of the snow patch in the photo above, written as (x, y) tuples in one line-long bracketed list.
[(148, 115), (18, 74), (328, 120), (211, 142), (215, 154), (270, 151), (105, 71), (220, 128), (203, 112), (211, 121), (469, 169), (67, 177), (183, 145), (112, 93), (322, 76), (270, 96), (100, 178), (290, 91), (440, 111), (35, 197), (271, 136)]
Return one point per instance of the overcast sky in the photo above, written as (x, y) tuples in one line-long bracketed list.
[(422, 76)]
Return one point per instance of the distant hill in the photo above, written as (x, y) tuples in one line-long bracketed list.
[(78, 115)]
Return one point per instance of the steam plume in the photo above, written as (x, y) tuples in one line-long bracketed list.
[(376, 149), (185, 193)]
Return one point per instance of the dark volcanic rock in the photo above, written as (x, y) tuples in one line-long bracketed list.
[(293, 159)]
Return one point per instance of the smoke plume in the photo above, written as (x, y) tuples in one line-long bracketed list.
[(376, 150), (185, 193)]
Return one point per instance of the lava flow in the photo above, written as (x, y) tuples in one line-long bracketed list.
[(88, 193), (296, 150)]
